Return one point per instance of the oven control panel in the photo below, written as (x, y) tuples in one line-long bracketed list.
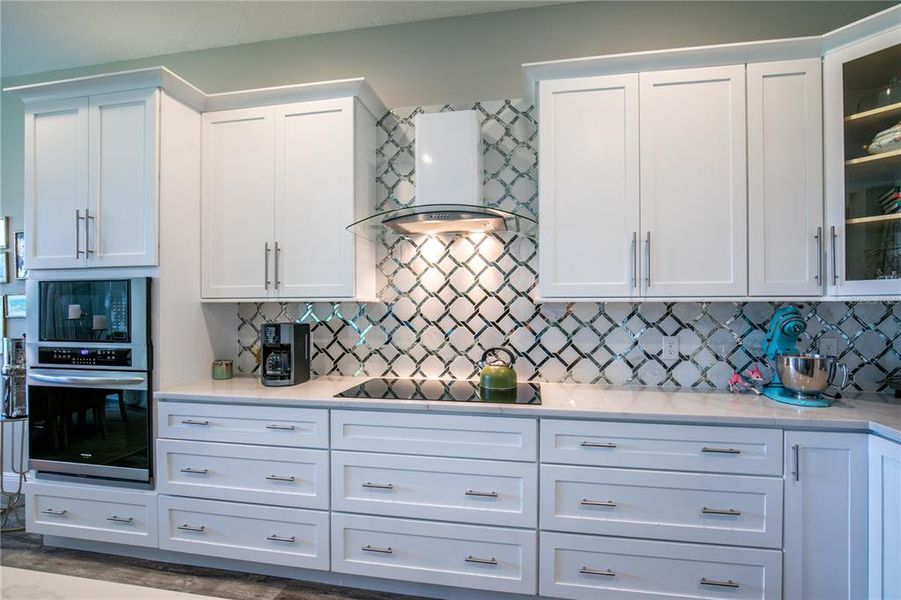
[(100, 357)]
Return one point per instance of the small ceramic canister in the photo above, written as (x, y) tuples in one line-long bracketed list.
[(223, 369)]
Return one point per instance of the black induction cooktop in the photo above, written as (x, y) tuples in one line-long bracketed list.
[(435, 390)]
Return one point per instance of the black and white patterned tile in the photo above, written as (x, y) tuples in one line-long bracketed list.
[(445, 301)]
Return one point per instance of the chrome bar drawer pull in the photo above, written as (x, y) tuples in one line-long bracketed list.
[(378, 486), (281, 427), (480, 561), (587, 502), (194, 422), (186, 527), (587, 444), (481, 494), (710, 450), (606, 573), (280, 478), (119, 519), (193, 471), (368, 548), (281, 538), (721, 511), (56, 513), (728, 583)]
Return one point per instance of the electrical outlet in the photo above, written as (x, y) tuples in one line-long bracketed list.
[(828, 345), (670, 348)]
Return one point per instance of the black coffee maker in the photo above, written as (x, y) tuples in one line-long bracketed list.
[(285, 353)]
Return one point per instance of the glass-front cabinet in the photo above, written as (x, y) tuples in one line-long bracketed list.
[(862, 111)]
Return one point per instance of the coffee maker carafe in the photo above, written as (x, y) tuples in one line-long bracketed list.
[(285, 356)]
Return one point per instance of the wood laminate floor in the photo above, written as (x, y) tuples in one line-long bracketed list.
[(22, 550)]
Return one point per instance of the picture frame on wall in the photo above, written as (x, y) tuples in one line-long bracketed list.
[(4, 232), (4, 267), (21, 271), (15, 306)]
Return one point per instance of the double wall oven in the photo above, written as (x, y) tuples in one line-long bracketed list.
[(89, 378)]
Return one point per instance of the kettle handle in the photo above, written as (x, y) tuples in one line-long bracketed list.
[(491, 351), (844, 369)]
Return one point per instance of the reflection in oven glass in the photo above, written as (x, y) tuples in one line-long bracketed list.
[(86, 425)]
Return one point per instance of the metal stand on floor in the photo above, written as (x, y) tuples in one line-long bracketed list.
[(13, 500)]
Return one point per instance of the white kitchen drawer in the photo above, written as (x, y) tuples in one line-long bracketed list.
[(739, 450), (260, 474), (486, 558), (91, 512), (278, 536), (446, 489), (689, 507), (584, 567), (497, 438), (262, 425)]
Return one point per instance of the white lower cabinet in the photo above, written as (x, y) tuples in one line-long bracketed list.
[(885, 518), (589, 567), (85, 512), (825, 515), (278, 536), (691, 507), (264, 475), (449, 489), (486, 558)]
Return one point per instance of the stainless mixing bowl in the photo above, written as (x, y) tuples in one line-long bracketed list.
[(809, 374)]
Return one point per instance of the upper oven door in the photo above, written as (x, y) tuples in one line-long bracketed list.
[(108, 311), (95, 423)]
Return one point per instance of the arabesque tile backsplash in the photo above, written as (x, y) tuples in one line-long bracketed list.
[(444, 301)]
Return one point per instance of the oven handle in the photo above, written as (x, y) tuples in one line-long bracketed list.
[(82, 380)]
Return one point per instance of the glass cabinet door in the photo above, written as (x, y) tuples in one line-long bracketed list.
[(865, 219)]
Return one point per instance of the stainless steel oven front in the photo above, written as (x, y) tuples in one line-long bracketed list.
[(91, 423), (89, 324)]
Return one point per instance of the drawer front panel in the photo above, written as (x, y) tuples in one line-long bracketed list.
[(263, 475), (690, 507), (278, 536), (585, 567), (261, 425), (449, 489), (487, 558), (100, 514), (744, 451), (498, 438)]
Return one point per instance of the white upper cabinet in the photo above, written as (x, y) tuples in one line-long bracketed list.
[(588, 178), (693, 182), (860, 92), (121, 229), (56, 182), (238, 203), (91, 175), (280, 185), (785, 178)]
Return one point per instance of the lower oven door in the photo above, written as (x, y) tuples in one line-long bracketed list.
[(90, 423)]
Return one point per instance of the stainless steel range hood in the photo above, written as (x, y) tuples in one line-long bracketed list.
[(448, 185)]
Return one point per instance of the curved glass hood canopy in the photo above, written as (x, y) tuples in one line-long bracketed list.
[(436, 219), (448, 185)]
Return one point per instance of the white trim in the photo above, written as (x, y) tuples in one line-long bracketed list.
[(182, 90)]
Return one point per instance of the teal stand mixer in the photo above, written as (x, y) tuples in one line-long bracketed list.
[(799, 379)]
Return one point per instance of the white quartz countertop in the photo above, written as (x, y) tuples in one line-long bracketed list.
[(876, 413)]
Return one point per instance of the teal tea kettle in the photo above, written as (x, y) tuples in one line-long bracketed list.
[(497, 374)]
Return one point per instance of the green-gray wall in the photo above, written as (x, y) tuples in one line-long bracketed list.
[(451, 60)]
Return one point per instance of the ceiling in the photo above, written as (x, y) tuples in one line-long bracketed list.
[(38, 36)]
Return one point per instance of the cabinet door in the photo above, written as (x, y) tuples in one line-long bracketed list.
[(693, 188), (238, 200), (589, 187), (121, 229), (56, 183), (314, 199), (785, 178), (885, 518), (825, 515), (862, 189)]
